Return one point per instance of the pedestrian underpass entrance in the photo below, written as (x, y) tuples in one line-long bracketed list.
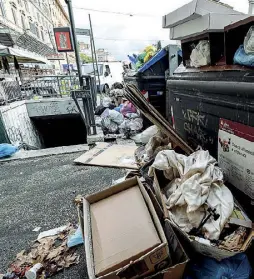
[(60, 130)]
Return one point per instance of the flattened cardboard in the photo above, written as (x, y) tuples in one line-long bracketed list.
[(123, 235), (202, 25), (148, 262), (209, 251), (195, 9), (108, 155)]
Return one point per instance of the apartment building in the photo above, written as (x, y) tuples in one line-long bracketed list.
[(29, 25)]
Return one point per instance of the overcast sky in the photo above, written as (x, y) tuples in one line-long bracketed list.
[(122, 34)]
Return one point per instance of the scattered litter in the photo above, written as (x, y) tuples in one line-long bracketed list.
[(156, 143), (106, 154), (76, 238), (46, 256), (36, 229), (34, 271), (145, 136), (195, 191), (51, 232), (120, 180), (7, 150)]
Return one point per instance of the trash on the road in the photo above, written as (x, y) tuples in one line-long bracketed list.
[(235, 267), (193, 196), (145, 136), (33, 272), (50, 251), (51, 232), (108, 213), (156, 143), (7, 150), (75, 238), (105, 154), (36, 229), (135, 96), (131, 125)]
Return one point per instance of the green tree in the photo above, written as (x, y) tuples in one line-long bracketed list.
[(85, 58)]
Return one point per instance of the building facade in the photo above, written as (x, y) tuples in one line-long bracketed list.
[(29, 25)]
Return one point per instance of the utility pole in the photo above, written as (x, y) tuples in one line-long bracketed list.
[(93, 50), (251, 7), (75, 42)]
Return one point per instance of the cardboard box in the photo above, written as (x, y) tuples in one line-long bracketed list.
[(141, 244), (196, 9), (188, 241), (208, 23)]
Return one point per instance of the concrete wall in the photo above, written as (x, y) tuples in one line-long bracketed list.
[(51, 107), (18, 125)]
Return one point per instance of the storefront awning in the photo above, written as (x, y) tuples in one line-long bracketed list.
[(23, 56)]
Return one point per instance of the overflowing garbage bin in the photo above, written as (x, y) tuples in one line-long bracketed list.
[(150, 78)]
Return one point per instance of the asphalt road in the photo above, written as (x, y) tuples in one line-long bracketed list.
[(39, 193)]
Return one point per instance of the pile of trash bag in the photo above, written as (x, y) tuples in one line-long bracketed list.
[(200, 55), (195, 185), (143, 57), (121, 119), (7, 150), (245, 53)]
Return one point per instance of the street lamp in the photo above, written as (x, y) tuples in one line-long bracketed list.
[(74, 37)]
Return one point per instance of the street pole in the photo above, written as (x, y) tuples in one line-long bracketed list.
[(75, 43), (93, 49)]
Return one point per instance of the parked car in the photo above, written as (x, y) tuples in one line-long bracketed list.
[(109, 72)]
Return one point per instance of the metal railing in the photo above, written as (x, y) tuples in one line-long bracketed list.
[(37, 87)]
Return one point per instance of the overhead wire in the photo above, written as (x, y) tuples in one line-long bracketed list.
[(112, 12)]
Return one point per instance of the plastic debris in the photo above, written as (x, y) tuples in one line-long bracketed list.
[(76, 238), (242, 58), (6, 150), (51, 251), (36, 229), (51, 232), (34, 271), (237, 267)]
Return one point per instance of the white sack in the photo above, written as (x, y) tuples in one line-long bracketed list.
[(196, 183), (200, 55)]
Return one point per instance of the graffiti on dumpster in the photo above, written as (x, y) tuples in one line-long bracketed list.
[(195, 117), (194, 125)]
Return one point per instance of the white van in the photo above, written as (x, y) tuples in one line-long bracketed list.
[(110, 72)]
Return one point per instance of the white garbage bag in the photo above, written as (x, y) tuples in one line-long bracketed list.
[(196, 184), (146, 135), (200, 55), (249, 41)]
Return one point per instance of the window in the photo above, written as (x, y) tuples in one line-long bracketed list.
[(26, 6), (23, 22), (37, 32), (2, 9), (107, 69), (32, 28), (14, 14), (42, 35)]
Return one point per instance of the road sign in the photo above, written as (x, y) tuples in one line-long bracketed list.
[(83, 32)]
